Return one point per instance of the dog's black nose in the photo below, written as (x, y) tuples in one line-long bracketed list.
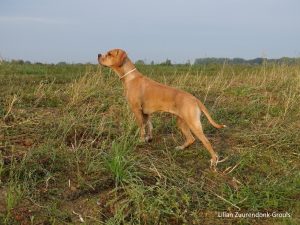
[(99, 55)]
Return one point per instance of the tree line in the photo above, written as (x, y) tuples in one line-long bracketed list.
[(238, 61), (198, 61)]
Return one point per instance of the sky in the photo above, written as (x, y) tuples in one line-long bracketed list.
[(75, 31)]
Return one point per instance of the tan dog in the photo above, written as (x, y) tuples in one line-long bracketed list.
[(146, 96)]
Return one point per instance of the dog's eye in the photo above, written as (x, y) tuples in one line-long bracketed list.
[(109, 54)]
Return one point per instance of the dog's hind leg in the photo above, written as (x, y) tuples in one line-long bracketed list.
[(194, 124), (189, 138)]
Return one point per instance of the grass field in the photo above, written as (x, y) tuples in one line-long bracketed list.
[(69, 152)]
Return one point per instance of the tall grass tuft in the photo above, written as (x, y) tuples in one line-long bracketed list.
[(120, 160)]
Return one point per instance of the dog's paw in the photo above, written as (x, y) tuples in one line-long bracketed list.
[(213, 164), (179, 147), (148, 139)]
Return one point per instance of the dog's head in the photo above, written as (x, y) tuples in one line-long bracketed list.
[(113, 58)]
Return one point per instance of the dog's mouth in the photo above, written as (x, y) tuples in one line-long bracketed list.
[(101, 64)]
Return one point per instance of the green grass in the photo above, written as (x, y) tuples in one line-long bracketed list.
[(69, 147)]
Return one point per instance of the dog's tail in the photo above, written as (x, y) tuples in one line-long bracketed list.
[(205, 111)]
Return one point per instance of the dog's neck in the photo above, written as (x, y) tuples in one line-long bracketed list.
[(127, 71), (126, 74)]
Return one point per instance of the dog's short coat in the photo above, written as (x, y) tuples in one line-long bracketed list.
[(146, 96)]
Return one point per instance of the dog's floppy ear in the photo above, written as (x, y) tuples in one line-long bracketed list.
[(121, 57)]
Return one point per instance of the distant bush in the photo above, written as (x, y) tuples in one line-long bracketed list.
[(17, 61), (166, 63), (140, 62), (62, 63)]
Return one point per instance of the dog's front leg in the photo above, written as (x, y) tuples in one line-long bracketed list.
[(149, 128), (140, 121)]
